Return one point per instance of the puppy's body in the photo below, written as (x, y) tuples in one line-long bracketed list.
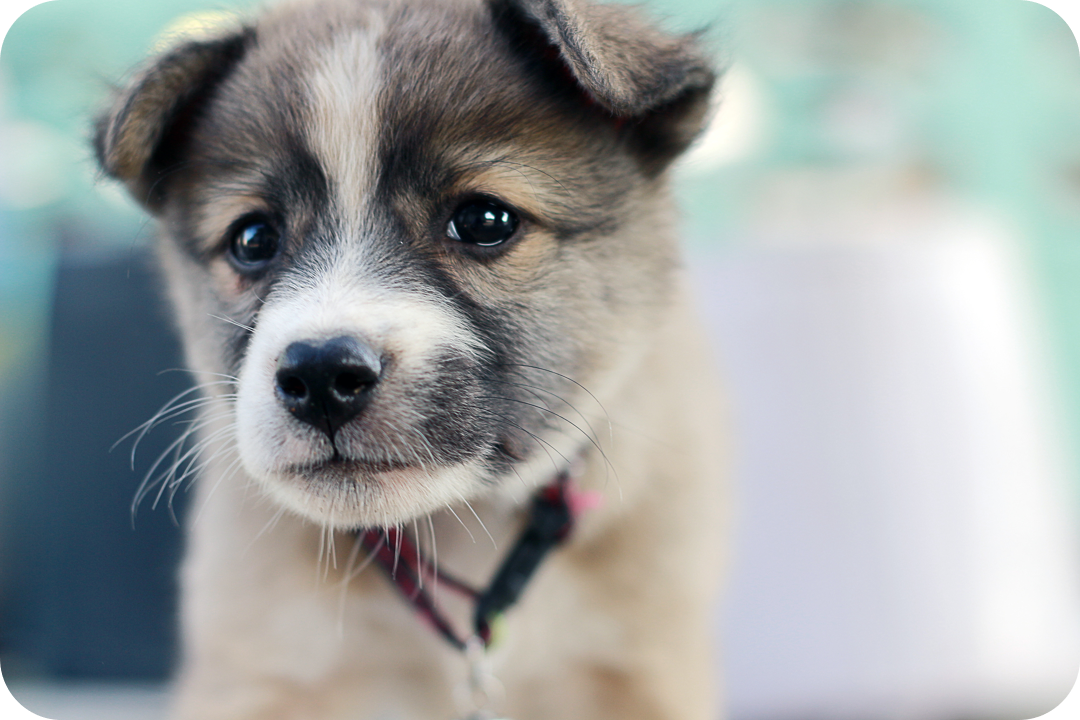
[(318, 178)]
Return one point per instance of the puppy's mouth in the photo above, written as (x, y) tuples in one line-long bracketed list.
[(339, 468), (350, 492), (416, 436)]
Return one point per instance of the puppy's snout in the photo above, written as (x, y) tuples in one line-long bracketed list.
[(327, 384)]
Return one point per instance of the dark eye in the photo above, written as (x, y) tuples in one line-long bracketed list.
[(254, 244), (482, 222)]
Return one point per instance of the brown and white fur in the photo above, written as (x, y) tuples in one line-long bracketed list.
[(355, 130)]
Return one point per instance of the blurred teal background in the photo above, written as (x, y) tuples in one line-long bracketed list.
[(841, 120), (978, 99)]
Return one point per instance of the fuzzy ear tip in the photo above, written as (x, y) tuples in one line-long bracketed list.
[(98, 140), (111, 161)]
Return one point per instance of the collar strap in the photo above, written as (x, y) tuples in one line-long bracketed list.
[(551, 521)]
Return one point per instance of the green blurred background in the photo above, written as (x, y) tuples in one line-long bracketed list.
[(979, 98)]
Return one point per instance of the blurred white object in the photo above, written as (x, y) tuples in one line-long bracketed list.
[(738, 127), (906, 537)]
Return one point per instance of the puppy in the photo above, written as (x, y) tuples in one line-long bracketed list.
[(423, 260)]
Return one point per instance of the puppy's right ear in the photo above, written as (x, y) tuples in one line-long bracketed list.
[(143, 136), (656, 83)]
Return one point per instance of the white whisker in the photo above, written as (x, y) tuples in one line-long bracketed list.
[(434, 561), (482, 525), (462, 522), (229, 320)]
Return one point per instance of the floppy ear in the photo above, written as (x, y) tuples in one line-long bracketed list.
[(654, 81), (143, 135)]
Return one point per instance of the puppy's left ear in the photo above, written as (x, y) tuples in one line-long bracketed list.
[(656, 82), (141, 137)]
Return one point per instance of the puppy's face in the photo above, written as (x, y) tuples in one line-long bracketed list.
[(413, 232)]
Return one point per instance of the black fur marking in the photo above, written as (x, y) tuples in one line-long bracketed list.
[(298, 193), (298, 180)]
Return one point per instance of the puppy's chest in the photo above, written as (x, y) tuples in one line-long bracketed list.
[(419, 595)]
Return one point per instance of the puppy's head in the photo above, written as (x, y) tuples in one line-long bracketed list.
[(413, 231)]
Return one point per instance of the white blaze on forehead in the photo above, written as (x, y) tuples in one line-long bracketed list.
[(343, 290), (343, 128)]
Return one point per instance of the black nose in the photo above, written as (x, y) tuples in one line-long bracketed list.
[(327, 384)]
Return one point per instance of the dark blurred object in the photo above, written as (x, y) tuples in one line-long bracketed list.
[(86, 593)]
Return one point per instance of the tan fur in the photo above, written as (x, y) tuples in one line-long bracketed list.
[(618, 625), (357, 128)]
